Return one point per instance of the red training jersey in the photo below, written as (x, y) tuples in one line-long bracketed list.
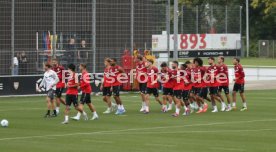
[(178, 80), (84, 83), (114, 73), (198, 77), (106, 82), (223, 75), (141, 72), (59, 70), (166, 78), (188, 83), (73, 80), (212, 72), (239, 74), (152, 74)]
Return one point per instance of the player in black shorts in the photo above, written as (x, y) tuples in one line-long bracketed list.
[(143, 88), (141, 72), (72, 94), (153, 91), (86, 90), (106, 87), (152, 84), (59, 69), (116, 71), (107, 91), (167, 87)]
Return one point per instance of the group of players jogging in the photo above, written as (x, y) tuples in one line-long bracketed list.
[(186, 85), (54, 85)]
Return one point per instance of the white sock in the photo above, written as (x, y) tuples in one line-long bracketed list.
[(244, 105), (229, 105), (234, 104), (164, 106), (108, 109), (113, 104), (122, 106), (66, 118), (144, 104), (215, 108), (57, 109), (84, 113), (185, 108), (119, 107), (147, 108), (177, 110), (78, 114)]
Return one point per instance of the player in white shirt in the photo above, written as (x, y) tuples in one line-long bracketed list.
[(49, 82)]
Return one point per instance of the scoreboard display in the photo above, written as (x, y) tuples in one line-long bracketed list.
[(197, 44)]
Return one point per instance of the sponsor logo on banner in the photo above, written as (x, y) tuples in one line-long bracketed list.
[(154, 42), (223, 40), (15, 85), (196, 42)]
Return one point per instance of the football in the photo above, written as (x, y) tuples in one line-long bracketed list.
[(4, 123)]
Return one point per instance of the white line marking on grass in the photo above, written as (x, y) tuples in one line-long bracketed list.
[(122, 115), (227, 149), (186, 132), (264, 99), (98, 141), (137, 129), (24, 109), (160, 145)]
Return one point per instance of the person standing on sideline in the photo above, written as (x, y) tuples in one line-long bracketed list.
[(15, 65)]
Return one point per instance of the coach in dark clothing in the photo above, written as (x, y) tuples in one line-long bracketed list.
[(83, 52), (23, 64), (71, 52)]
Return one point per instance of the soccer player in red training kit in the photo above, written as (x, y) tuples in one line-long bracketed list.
[(72, 94), (200, 89), (187, 88), (212, 78), (141, 73), (86, 90), (178, 87), (167, 83), (106, 87), (192, 96), (115, 72), (224, 84), (60, 85), (152, 84), (239, 83)]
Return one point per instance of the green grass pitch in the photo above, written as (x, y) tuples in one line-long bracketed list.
[(250, 131)]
